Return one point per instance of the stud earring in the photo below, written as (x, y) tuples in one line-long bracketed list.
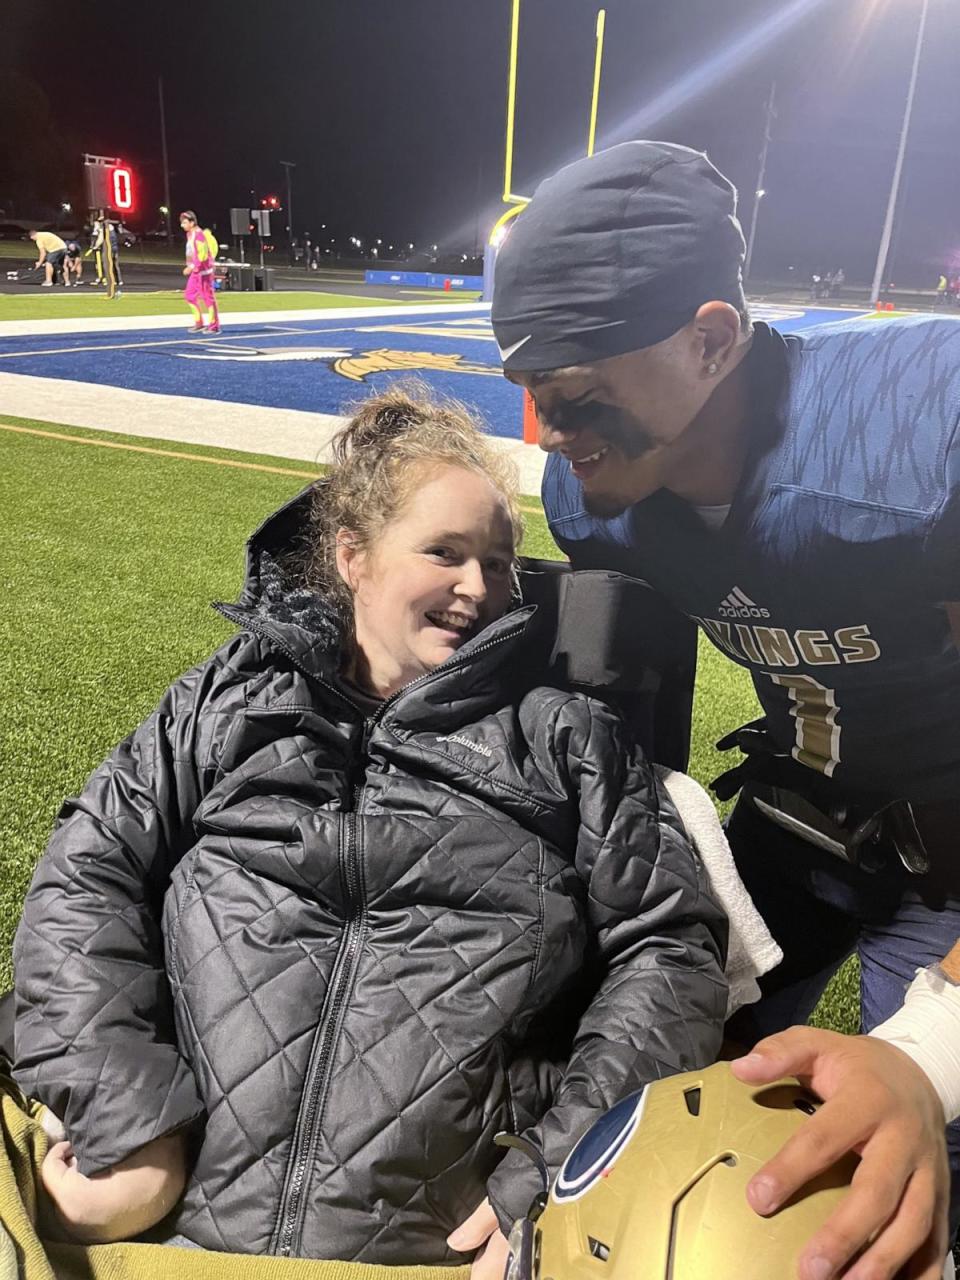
[(712, 367)]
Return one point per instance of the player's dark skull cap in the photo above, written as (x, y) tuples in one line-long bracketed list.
[(614, 253)]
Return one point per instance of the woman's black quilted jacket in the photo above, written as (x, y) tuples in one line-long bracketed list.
[(350, 951)]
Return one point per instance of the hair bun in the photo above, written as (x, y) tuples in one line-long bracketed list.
[(381, 420), (393, 419)]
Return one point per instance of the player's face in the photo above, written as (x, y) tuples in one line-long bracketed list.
[(620, 422), (439, 573)]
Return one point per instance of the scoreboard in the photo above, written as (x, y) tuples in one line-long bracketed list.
[(108, 184)]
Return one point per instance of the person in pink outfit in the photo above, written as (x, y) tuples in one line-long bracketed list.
[(199, 292)]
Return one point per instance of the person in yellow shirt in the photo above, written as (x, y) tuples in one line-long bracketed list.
[(52, 252)]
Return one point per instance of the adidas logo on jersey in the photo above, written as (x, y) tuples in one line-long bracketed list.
[(739, 605)]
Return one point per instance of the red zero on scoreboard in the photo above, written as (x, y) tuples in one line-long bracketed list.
[(122, 181), (108, 183)]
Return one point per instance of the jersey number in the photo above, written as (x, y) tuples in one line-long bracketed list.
[(815, 711)]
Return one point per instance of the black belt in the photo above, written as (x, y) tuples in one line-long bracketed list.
[(863, 830)]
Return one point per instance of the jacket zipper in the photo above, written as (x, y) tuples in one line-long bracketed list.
[(316, 1085), (313, 1099), (288, 1230)]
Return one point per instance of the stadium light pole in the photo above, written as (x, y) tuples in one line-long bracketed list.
[(287, 166), (166, 166), (887, 232), (760, 191)]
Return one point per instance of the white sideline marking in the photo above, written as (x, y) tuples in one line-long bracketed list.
[(123, 324), (282, 433), (206, 345)]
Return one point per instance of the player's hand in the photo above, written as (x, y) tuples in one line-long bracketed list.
[(482, 1229), (879, 1104), (187, 270), (119, 1203)]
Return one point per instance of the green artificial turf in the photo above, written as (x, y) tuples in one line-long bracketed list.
[(79, 304), (112, 559)]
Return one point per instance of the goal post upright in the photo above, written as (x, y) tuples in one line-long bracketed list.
[(516, 203)]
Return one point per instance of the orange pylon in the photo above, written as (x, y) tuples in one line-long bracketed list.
[(531, 427)]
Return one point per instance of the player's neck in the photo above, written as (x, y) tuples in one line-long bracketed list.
[(711, 453)]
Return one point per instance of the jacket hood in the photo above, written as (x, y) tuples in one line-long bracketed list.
[(274, 587)]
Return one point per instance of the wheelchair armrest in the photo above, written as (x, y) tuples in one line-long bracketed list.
[(6, 1026)]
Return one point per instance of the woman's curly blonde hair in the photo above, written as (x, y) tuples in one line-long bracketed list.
[(381, 457)]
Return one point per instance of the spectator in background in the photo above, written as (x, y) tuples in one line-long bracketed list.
[(105, 246), (52, 251), (96, 251), (73, 264), (201, 252)]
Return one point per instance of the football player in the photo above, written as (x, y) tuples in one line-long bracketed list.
[(798, 498)]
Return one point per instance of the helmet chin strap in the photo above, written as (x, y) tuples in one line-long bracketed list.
[(534, 1154)]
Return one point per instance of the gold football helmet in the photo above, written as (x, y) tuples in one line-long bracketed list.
[(656, 1190)]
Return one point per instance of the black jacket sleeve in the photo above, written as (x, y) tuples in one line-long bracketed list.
[(660, 941), (94, 1034)]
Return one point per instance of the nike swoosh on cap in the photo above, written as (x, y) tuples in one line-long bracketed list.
[(507, 352)]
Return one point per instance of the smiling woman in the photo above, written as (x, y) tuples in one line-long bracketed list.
[(414, 580), (362, 892)]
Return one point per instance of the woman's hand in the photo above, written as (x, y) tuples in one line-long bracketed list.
[(187, 270), (878, 1103), (119, 1203), (482, 1228)]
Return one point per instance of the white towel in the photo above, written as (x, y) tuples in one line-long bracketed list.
[(52, 1126), (751, 950)]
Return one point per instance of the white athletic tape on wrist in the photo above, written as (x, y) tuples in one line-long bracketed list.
[(927, 1029)]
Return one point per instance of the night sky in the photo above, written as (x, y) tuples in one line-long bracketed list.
[(393, 110)]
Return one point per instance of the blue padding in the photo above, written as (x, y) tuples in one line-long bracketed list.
[(415, 278), (456, 282), (424, 280)]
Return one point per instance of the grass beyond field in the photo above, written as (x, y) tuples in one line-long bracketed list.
[(112, 558), (70, 304), (23, 251)]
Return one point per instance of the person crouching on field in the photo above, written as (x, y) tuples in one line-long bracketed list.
[(51, 251), (361, 893), (73, 263), (199, 271)]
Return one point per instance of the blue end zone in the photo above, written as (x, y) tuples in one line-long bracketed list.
[(321, 366)]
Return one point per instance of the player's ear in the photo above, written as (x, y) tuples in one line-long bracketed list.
[(717, 325)]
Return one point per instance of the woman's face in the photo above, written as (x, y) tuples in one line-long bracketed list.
[(439, 573)]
